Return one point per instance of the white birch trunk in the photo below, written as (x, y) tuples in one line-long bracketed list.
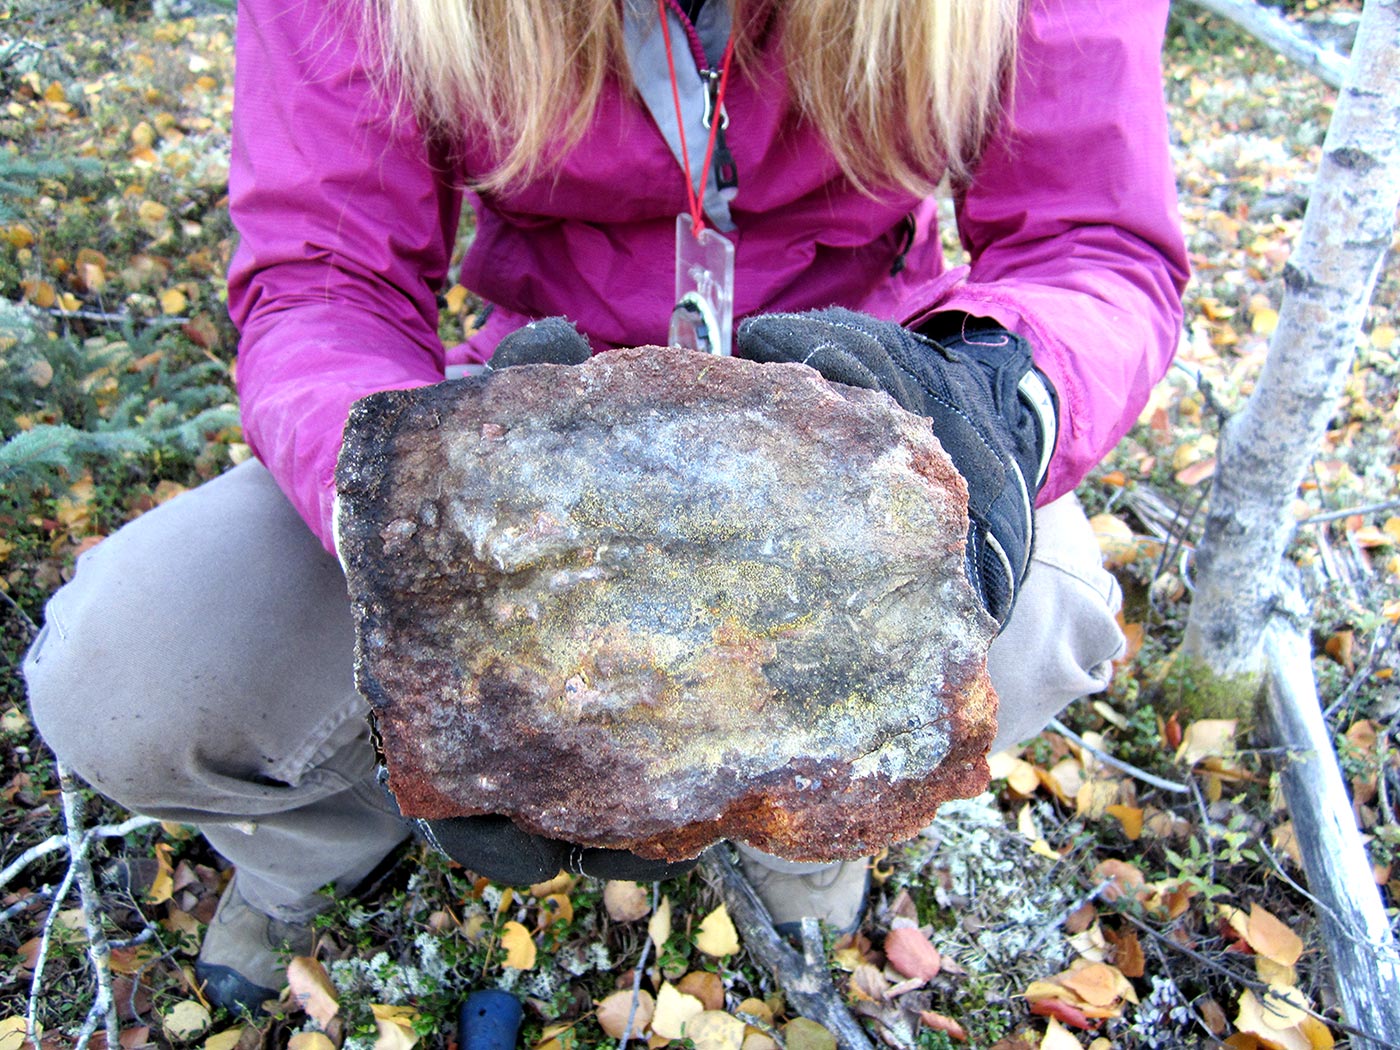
[(1266, 449), (1276, 32)]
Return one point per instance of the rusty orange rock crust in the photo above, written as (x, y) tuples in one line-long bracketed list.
[(665, 598)]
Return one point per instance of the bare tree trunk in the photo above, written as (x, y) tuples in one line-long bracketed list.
[(1266, 448), (1278, 33)]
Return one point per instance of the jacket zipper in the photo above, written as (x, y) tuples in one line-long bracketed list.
[(725, 169)]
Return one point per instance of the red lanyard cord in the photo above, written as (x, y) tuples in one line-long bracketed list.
[(694, 199)]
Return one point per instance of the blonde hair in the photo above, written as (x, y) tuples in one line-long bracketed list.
[(900, 89)]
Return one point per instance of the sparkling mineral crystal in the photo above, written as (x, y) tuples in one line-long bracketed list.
[(664, 598)]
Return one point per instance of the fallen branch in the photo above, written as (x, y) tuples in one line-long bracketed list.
[(54, 843), (1117, 763), (104, 1005), (804, 977), (1278, 33), (1360, 944)]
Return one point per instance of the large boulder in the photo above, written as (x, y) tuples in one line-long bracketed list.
[(664, 598)]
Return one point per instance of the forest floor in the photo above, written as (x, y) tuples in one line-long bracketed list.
[(1072, 905)]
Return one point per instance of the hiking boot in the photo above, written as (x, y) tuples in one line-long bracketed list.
[(792, 891), (242, 962)]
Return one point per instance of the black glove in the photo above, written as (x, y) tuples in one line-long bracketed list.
[(992, 410), (552, 341), (492, 845)]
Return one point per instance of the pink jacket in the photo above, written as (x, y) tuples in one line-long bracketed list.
[(348, 220)]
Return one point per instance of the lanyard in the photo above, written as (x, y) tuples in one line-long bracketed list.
[(695, 199)]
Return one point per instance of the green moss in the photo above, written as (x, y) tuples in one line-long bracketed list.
[(1184, 685)]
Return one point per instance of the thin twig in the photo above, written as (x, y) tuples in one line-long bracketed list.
[(37, 980), (99, 953), (641, 965), (1333, 515), (29, 625), (58, 842), (1117, 763)]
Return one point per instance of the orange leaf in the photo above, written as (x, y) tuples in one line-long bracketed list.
[(1066, 1013), (942, 1023), (910, 952), (1097, 984), (1270, 937)]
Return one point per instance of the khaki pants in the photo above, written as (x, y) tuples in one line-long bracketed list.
[(198, 669)]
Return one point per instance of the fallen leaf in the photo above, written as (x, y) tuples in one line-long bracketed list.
[(803, 1034), (1063, 1011), (1117, 544), (1017, 772), (519, 946), (674, 1009), (1205, 738), (758, 1041), (869, 984), (395, 1024), (616, 1008), (625, 901), (715, 1030), (172, 302), (1058, 1038), (717, 936), (1130, 817), (312, 989), (1270, 937), (186, 1021), (659, 928), (945, 1024), (163, 885), (561, 883), (1123, 878), (13, 1033), (910, 952), (1097, 984), (555, 907), (706, 986), (310, 1041), (225, 1040), (1128, 955)]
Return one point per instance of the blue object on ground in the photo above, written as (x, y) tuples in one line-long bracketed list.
[(489, 1020)]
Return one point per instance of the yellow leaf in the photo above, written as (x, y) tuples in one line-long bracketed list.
[(561, 883), (717, 935), (1128, 816), (1383, 336), (1025, 823), (756, 1008), (69, 302), (1094, 797), (556, 907), (163, 885), (803, 1034), (1267, 1023), (674, 1009), (1207, 737), (519, 946), (659, 929), (1117, 543), (19, 236), (143, 135), (1017, 772), (1042, 848), (715, 1030), (310, 1041), (616, 1008), (185, 1021), (1269, 937), (1264, 321), (13, 1033), (1271, 972), (456, 298), (393, 1035), (312, 989), (152, 213), (225, 1040), (624, 901), (173, 301), (1057, 1037), (1097, 984)]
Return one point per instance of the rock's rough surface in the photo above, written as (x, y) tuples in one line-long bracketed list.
[(664, 598)]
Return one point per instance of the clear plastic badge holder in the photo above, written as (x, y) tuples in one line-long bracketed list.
[(703, 318)]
